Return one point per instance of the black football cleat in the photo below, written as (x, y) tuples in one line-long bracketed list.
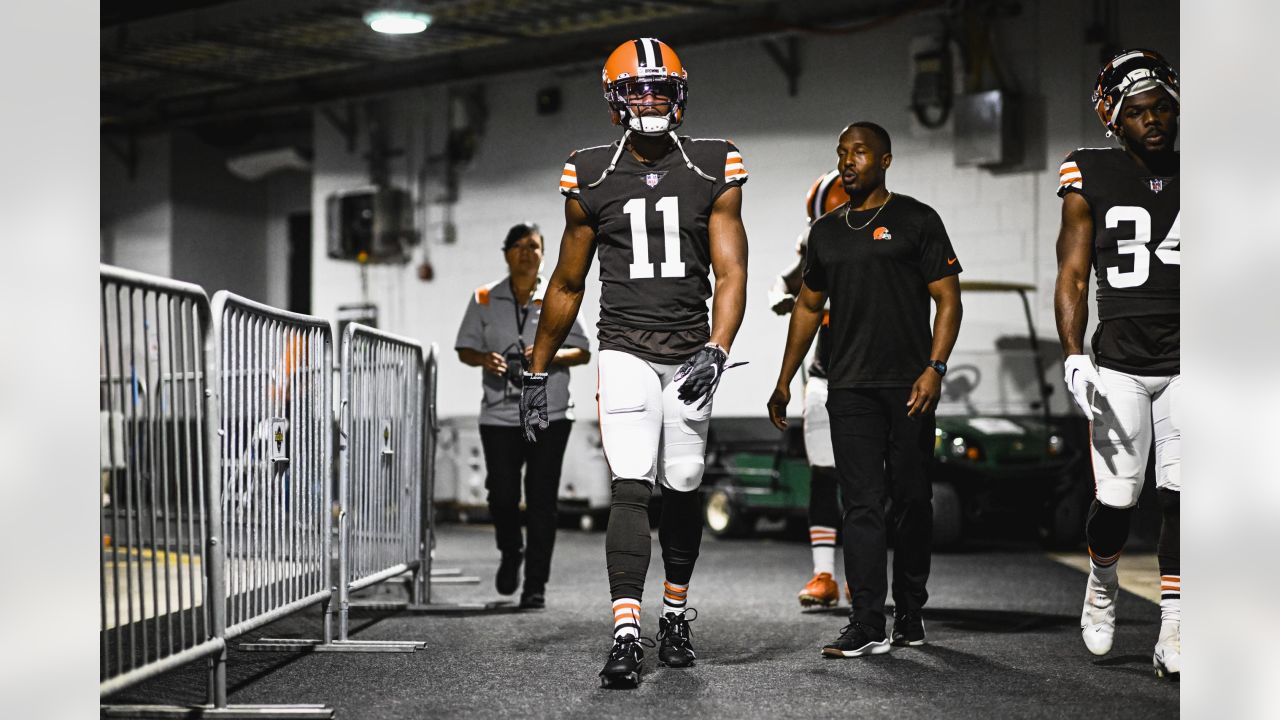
[(626, 660), (674, 648)]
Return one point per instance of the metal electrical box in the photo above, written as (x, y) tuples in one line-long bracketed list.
[(371, 225), (984, 129)]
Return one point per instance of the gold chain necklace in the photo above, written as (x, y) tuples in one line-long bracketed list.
[(873, 217)]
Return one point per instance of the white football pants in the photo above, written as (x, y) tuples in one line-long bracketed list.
[(647, 431), (1137, 409), (817, 424)]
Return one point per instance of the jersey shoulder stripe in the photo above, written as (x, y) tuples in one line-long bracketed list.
[(1072, 171), (705, 154), (569, 178), (582, 163)]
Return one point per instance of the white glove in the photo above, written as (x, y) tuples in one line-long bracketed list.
[(780, 301), (1081, 378)]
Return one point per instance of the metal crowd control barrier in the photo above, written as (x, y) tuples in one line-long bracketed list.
[(162, 522), (387, 410)]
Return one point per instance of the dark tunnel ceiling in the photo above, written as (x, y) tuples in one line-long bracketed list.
[(173, 63)]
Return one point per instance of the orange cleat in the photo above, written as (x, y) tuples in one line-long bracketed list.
[(820, 591)]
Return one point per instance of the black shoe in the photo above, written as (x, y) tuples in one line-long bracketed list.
[(857, 640), (674, 648), (508, 577), (626, 658), (908, 629), (533, 600)]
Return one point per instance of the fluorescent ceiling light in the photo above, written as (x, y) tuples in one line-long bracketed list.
[(397, 22)]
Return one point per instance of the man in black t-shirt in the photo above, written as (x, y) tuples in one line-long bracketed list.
[(880, 259), (662, 212), (1120, 215)]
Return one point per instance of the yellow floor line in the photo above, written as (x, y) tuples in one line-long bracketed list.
[(162, 556), (1139, 572)]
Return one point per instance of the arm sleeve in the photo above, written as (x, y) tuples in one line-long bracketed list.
[(815, 274), (937, 257), (1070, 179), (471, 331)]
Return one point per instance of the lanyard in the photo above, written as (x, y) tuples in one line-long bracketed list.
[(522, 313)]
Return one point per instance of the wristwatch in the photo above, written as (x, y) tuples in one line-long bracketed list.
[(939, 366)]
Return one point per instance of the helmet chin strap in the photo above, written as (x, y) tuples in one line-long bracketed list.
[(613, 163), (687, 162)]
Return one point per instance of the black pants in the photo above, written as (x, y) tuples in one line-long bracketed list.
[(505, 453), (883, 454)]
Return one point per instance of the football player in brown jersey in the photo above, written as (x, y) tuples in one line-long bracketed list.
[(1120, 216), (662, 212)]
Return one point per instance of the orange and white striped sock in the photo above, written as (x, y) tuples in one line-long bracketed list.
[(1103, 566), (822, 540), (1170, 598), (626, 617), (674, 597)]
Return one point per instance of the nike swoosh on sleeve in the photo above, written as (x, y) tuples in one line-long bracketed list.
[(952, 261)]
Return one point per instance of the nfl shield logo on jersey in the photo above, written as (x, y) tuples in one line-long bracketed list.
[(1157, 184), (652, 179)]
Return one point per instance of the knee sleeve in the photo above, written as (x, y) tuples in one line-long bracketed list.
[(627, 539), (1107, 530), (1167, 547), (680, 533), (824, 505)]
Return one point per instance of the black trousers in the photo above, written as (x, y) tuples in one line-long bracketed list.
[(883, 454), (505, 454)]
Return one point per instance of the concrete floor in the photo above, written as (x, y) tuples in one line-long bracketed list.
[(1003, 642)]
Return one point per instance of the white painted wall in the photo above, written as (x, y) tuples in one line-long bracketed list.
[(183, 215), (219, 222), (137, 212), (1003, 225), (288, 192)]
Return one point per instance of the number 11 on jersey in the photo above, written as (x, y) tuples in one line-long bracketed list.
[(672, 265)]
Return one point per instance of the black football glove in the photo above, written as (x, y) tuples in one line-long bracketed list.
[(701, 375), (533, 405)]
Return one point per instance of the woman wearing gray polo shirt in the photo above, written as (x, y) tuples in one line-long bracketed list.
[(497, 335)]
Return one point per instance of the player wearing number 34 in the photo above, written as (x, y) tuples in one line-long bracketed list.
[(662, 211), (1120, 215)]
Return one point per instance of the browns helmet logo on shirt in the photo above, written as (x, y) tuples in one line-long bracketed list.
[(881, 233)]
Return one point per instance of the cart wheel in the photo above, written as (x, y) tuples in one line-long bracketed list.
[(723, 515), (948, 516), (1063, 525)]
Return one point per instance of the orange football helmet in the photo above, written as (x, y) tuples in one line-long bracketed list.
[(826, 194), (645, 67), (1129, 73)]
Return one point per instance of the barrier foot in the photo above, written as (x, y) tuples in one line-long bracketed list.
[(445, 572), (208, 711), (306, 645), (455, 580)]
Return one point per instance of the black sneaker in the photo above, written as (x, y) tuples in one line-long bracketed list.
[(508, 577), (533, 600), (856, 640), (674, 648), (908, 629), (626, 658)]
